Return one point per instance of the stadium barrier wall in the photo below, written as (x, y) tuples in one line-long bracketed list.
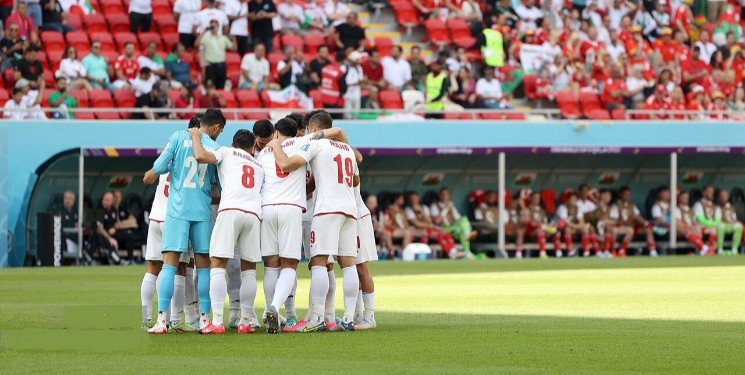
[(34, 143)]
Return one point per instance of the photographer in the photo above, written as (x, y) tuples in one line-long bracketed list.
[(291, 70), (213, 46), (62, 100)]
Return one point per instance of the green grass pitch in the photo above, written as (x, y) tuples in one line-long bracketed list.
[(672, 315)]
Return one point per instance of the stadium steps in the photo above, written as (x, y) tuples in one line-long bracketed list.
[(386, 26)]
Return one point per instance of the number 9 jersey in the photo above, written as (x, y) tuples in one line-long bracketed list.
[(334, 167)]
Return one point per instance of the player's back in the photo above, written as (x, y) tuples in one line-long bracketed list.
[(160, 200), (280, 187), (334, 167), (241, 178), (189, 192)]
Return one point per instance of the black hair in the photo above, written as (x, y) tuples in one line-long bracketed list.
[(213, 116), (128, 43), (286, 127), (443, 189), (309, 115), (32, 49), (243, 139), (16, 90), (175, 47), (295, 117), (623, 189), (60, 78), (322, 121), (146, 70), (195, 121), (583, 186), (263, 128), (396, 48), (603, 191)]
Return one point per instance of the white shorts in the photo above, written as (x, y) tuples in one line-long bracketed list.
[(281, 231), (333, 234), (367, 251), (306, 238), (154, 246), (236, 227)]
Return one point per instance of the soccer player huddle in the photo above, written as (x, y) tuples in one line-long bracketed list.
[(281, 192)]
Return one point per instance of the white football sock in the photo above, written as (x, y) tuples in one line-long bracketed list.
[(369, 300), (351, 286), (270, 283), (147, 291), (177, 302), (248, 294), (190, 297), (310, 305), (319, 288), (234, 288), (284, 287), (218, 292), (359, 307), (330, 310), (290, 301)]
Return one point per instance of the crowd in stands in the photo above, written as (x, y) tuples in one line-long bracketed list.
[(593, 58)]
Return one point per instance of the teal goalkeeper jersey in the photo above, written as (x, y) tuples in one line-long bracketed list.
[(189, 192)]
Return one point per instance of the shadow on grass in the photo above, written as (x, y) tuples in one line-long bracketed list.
[(403, 343)]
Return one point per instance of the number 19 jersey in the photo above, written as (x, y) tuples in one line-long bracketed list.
[(241, 178), (334, 167), (282, 188), (189, 192)]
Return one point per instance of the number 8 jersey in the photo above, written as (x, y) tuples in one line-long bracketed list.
[(241, 178), (334, 167), (189, 192)]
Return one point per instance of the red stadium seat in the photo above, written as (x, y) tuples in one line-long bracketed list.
[(125, 99), (274, 58), (166, 24), (170, 40), (10, 80), (618, 114), (568, 105), (230, 102), (598, 114), (162, 7), (4, 97), (79, 40), (42, 57), (96, 23), (118, 23), (233, 60), (248, 99), (384, 46), (530, 86), (124, 38), (84, 116), (81, 96), (406, 15), (312, 42), (437, 32), (53, 41), (461, 33), (193, 63), (146, 38), (276, 44), (112, 7), (110, 57), (100, 98), (107, 116), (45, 100), (590, 102), (49, 78), (494, 116), (173, 94), (106, 40), (75, 20), (290, 40), (390, 99)]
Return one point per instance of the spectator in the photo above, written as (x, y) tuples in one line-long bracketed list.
[(152, 61), (211, 99), (290, 68), (255, 70), (374, 72), (178, 71), (157, 98), (354, 79), (489, 91), (214, 47), (144, 82), (98, 68), (635, 85), (185, 100), (291, 15), (706, 47), (317, 65), (11, 46), (26, 24), (618, 10), (615, 48), (436, 89), (432, 8), (737, 101), (465, 95), (614, 90), (492, 47), (205, 17), (29, 67), (661, 15), (15, 108), (715, 8), (185, 12), (333, 87), (237, 12), (677, 103), (336, 12), (140, 15), (34, 11), (413, 98), (349, 34), (126, 67), (666, 80), (315, 18), (460, 60), (529, 14), (53, 17), (417, 66), (658, 103), (468, 10), (73, 71), (61, 100), (695, 70), (261, 13), (32, 98), (396, 70), (718, 106)]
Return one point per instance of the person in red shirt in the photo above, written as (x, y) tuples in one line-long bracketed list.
[(592, 45), (331, 95), (625, 34), (26, 28), (210, 98), (614, 91), (684, 51), (658, 102), (677, 103), (126, 67), (601, 68), (666, 46), (718, 105), (698, 102), (373, 70), (185, 101), (694, 70), (683, 18)]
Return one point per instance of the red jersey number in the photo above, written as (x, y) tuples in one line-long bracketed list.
[(248, 177), (345, 170)]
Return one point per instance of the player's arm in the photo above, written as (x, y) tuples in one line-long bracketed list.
[(334, 134), (203, 156), (287, 164), (310, 186), (356, 181), (162, 164)]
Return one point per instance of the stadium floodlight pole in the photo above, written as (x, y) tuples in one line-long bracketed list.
[(502, 194), (81, 165), (673, 200)]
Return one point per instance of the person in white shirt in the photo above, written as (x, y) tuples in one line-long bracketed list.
[(618, 10), (210, 13), (143, 83), (32, 99), (15, 108), (140, 15), (316, 17), (185, 11), (396, 70), (255, 69), (238, 224), (336, 12), (73, 70), (615, 48), (355, 78), (150, 59), (237, 12), (291, 67), (489, 90), (707, 47), (529, 13), (292, 17)]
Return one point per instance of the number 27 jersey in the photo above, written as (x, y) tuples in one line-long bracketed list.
[(334, 167)]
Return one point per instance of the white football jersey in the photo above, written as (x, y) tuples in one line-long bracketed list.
[(241, 178), (311, 202), (362, 209), (334, 167), (279, 187), (160, 202)]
